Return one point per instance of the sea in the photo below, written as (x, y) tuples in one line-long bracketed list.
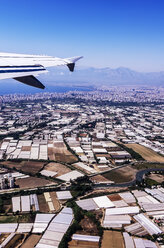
[(19, 88)]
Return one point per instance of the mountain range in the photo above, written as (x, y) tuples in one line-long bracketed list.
[(59, 79), (105, 76)]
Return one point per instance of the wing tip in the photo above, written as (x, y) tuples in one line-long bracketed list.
[(71, 66)]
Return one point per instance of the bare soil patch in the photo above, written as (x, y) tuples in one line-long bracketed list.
[(32, 182), (114, 197), (25, 166), (26, 148), (147, 153), (43, 206), (16, 240), (31, 166), (60, 153), (57, 167), (82, 244), (31, 241), (157, 177), (125, 174), (88, 226), (55, 201), (99, 178), (112, 239)]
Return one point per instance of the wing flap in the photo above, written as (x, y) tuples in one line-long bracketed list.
[(30, 80)]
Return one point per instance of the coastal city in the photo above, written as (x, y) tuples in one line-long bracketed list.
[(82, 124), (82, 168)]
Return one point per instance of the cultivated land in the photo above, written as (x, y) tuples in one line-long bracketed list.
[(25, 166), (99, 178), (56, 133), (146, 153), (31, 241), (125, 174), (55, 201), (43, 206), (147, 165), (16, 241), (32, 182), (114, 197), (82, 244), (112, 239), (60, 153), (60, 169), (157, 177)]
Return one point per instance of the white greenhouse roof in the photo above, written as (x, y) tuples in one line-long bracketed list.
[(72, 175), (88, 238), (63, 195), (147, 224), (124, 210), (103, 202)]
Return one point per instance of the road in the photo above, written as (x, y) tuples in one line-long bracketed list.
[(139, 176)]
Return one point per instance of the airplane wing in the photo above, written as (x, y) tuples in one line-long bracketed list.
[(24, 68)]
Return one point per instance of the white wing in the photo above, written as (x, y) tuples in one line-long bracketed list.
[(24, 67)]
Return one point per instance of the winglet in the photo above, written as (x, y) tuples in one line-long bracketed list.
[(71, 62), (71, 66)]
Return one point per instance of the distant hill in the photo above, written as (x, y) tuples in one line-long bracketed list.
[(106, 76), (59, 79)]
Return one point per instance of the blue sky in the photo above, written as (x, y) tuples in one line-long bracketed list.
[(114, 33)]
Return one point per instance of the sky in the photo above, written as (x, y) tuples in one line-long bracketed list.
[(108, 33)]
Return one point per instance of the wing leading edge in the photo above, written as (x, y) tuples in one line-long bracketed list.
[(24, 68)]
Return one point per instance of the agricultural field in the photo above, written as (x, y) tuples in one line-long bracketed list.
[(60, 169), (31, 241), (99, 178), (83, 244), (147, 165), (157, 177), (112, 239), (16, 241), (43, 206), (147, 153), (114, 197), (60, 153), (32, 182), (7, 206), (32, 167), (55, 201), (124, 174)]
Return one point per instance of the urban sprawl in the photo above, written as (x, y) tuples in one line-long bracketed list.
[(82, 169)]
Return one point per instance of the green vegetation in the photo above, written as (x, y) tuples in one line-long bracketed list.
[(79, 214), (80, 186), (17, 218), (8, 219), (150, 182), (147, 165)]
